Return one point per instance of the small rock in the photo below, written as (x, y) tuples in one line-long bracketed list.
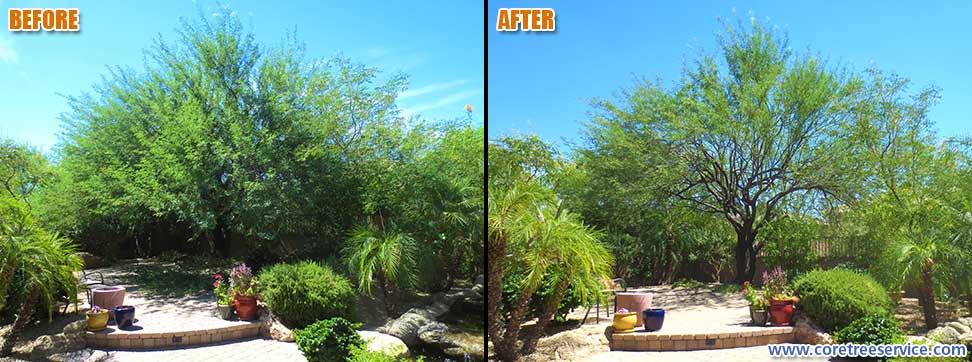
[(384, 343), (85, 355), (959, 327), (808, 332)]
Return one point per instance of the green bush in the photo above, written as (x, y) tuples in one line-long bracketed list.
[(836, 297), (301, 293), (875, 329), (329, 340)]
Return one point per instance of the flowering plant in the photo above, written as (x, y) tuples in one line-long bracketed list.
[(623, 310), (756, 298), (97, 309), (242, 281), (224, 295), (775, 284)]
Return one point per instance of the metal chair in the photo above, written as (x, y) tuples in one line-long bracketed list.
[(614, 289)]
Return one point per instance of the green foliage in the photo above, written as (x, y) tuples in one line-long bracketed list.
[(756, 298), (687, 283), (329, 340), (362, 354), (301, 293), (383, 253), (513, 284), (836, 297), (874, 329), (790, 241)]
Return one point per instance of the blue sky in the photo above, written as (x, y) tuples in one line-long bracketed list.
[(439, 44), (542, 82)]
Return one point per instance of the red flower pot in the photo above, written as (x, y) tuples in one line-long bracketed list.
[(780, 312), (246, 307)]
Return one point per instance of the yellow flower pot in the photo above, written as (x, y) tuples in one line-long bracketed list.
[(625, 322), (97, 321)]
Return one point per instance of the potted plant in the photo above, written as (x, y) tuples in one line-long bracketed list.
[(97, 318), (781, 298), (757, 304), (224, 297), (244, 286), (624, 321)]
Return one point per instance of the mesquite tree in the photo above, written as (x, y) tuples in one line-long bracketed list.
[(741, 136)]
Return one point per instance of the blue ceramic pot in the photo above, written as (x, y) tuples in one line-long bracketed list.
[(124, 316), (654, 318)]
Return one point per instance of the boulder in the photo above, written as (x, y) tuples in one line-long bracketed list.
[(946, 334), (959, 327), (435, 334), (384, 343), (274, 329), (965, 338), (808, 332), (84, 355), (406, 327), (48, 345)]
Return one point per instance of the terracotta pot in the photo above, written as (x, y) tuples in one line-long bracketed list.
[(625, 322), (96, 321), (654, 319), (635, 302), (781, 312), (758, 316), (246, 307), (108, 298)]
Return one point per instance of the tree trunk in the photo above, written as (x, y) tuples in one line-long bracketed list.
[(494, 292), (744, 267), (23, 316), (506, 349), (221, 233), (927, 299), (549, 309)]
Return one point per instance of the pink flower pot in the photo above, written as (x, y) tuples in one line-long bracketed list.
[(108, 298), (635, 302)]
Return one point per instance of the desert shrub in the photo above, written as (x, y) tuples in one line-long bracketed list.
[(836, 297), (329, 340), (875, 329), (301, 293)]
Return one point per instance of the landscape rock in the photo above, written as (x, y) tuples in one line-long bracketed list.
[(274, 329), (49, 345), (808, 332), (84, 355), (384, 343), (959, 327), (944, 334), (965, 338), (435, 334), (572, 345), (406, 327)]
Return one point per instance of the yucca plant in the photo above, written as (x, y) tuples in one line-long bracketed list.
[(45, 260), (384, 254)]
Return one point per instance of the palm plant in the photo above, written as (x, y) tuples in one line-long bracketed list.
[(923, 260), (46, 261), (544, 239), (383, 254)]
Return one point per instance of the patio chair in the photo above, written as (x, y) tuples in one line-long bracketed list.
[(86, 282), (617, 285)]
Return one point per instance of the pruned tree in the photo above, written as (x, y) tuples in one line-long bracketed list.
[(738, 138)]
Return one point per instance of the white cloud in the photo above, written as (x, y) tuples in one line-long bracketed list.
[(409, 93), (7, 52), (454, 99)]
